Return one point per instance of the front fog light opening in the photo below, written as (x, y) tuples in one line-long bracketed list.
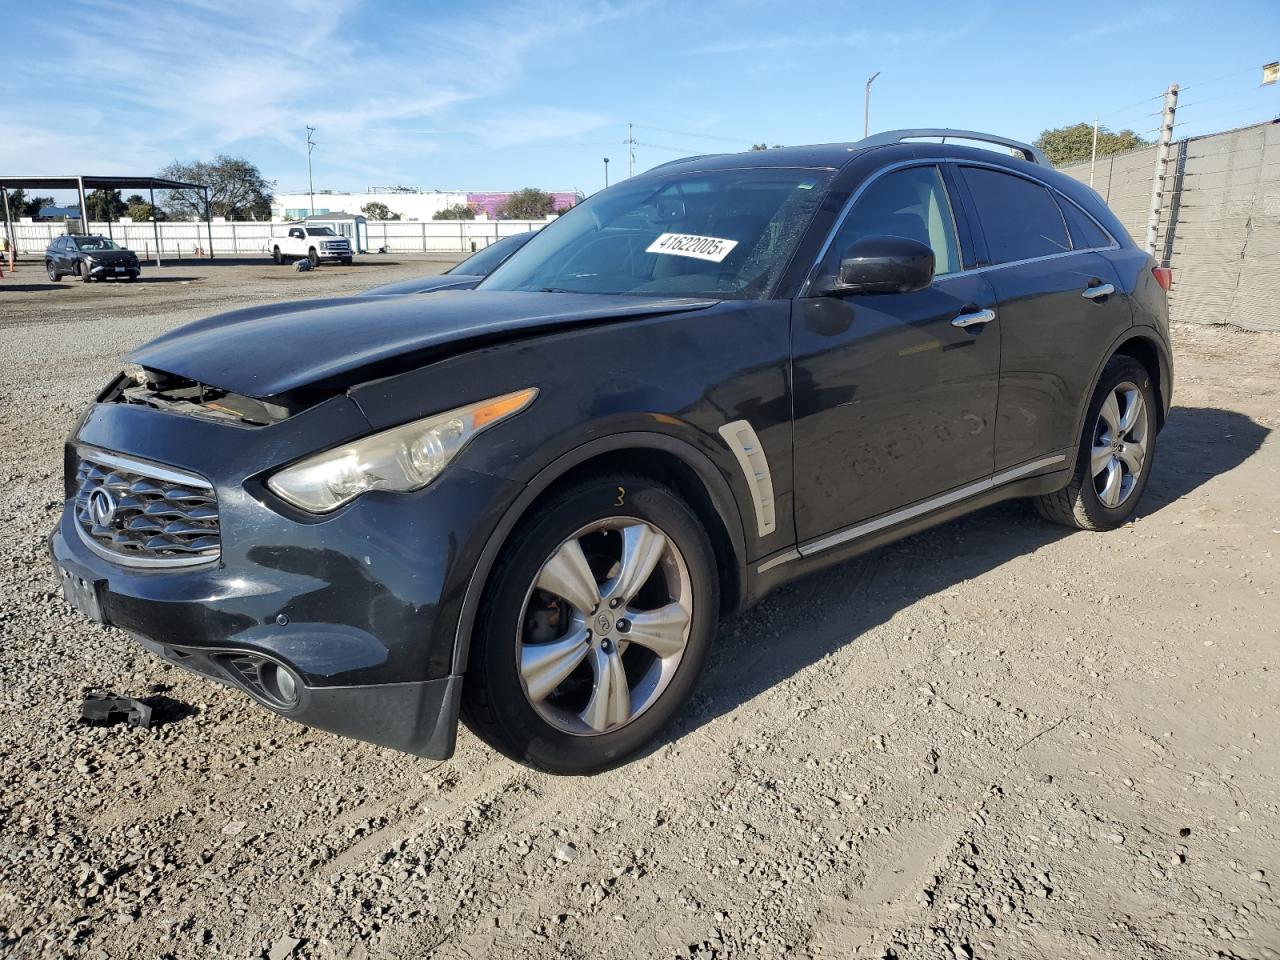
[(266, 681)]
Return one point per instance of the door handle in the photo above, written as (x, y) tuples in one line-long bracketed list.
[(975, 319), (1098, 292)]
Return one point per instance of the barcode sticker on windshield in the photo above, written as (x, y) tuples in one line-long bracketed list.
[(714, 249)]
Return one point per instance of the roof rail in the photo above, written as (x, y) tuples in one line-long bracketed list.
[(898, 136)]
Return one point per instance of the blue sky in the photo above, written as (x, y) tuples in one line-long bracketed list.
[(497, 96)]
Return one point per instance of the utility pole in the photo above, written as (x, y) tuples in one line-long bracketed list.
[(631, 152), (606, 173), (1093, 160), (311, 187), (866, 105), (1162, 161)]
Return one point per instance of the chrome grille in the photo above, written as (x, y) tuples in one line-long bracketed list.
[(144, 514)]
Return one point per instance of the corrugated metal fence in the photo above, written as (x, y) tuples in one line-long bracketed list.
[(1219, 222)]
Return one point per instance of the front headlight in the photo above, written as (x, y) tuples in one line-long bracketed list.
[(400, 459)]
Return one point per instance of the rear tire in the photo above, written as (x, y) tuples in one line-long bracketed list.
[(52, 271), (1116, 452), (574, 686)]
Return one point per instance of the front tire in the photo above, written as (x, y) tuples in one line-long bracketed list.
[(277, 256), (1116, 452), (313, 257), (82, 269), (593, 627)]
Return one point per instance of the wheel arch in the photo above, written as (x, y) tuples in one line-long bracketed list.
[(1146, 346), (1149, 352), (662, 457)]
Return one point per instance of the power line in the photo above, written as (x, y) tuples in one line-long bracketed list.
[(695, 136)]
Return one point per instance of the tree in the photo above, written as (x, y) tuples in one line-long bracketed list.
[(375, 210), (36, 204), (527, 204), (105, 204), (1074, 143), (141, 209), (459, 211), (765, 146), (237, 189)]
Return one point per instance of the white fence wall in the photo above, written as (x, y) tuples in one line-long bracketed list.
[(250, 237)]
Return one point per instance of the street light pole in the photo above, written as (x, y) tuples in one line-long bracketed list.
[(311, 187), (606, 173), (866, 105)]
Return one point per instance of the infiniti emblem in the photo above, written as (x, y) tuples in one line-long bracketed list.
[(102, 507)]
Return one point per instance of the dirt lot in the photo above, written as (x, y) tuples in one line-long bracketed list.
[(995, 739)]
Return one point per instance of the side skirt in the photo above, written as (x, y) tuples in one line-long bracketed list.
[(834, 548)]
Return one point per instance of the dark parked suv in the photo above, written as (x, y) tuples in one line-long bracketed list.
[(90, 257), (530, 503)]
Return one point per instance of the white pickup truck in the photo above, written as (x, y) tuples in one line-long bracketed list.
[(314, 243)]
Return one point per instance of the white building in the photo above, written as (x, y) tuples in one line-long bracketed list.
[(410, 204)]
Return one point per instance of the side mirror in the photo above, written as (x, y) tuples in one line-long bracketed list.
[(883, 264)]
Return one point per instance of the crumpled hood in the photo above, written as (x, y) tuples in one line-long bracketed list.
[(272, 350), (443, 281)]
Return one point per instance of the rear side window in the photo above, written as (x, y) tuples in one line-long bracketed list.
[(909, 203), (1020, 218), (1085, 234)]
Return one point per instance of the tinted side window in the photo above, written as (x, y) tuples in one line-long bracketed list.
[(909, 203), (1085, 234), (1020, 218)]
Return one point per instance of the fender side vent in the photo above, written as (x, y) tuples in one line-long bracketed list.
[(744, 443)]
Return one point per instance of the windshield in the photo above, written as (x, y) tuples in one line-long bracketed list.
[(726, 234), (321, 232), (482, 264), (90, 244)]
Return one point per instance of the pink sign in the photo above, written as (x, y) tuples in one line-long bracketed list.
[(490, 203)]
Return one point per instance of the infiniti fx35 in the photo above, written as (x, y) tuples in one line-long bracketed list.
[(527, 505)]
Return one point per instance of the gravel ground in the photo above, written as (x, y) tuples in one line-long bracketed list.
[(995, 739)]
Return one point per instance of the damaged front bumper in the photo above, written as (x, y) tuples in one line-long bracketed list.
[(344, 622)]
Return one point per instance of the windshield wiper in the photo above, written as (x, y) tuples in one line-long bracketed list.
[(556, 290)]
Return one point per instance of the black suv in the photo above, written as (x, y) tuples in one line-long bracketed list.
[(530, 503), (90, 257)]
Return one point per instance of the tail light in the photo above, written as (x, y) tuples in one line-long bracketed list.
[(1164, 277)]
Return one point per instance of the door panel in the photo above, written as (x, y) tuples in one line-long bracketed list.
[(1052, 341), (893, 403)]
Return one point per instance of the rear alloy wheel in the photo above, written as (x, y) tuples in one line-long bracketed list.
[(1116, 452), (593, 628), (52, 271)]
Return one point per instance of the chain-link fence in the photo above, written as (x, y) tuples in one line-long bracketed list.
[(1219, 221)]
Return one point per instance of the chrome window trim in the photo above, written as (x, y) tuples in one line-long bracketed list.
[(936, 161), (875, 525), (156, 471)]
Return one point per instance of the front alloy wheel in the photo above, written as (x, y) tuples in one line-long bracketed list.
[(593, 626), (605, 626)]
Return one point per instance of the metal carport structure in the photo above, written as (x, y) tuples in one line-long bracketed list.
[(79, 183)]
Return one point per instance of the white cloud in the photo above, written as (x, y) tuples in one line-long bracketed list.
[(188, 79)]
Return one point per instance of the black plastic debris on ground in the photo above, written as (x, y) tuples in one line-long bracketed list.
[(104, 709)]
